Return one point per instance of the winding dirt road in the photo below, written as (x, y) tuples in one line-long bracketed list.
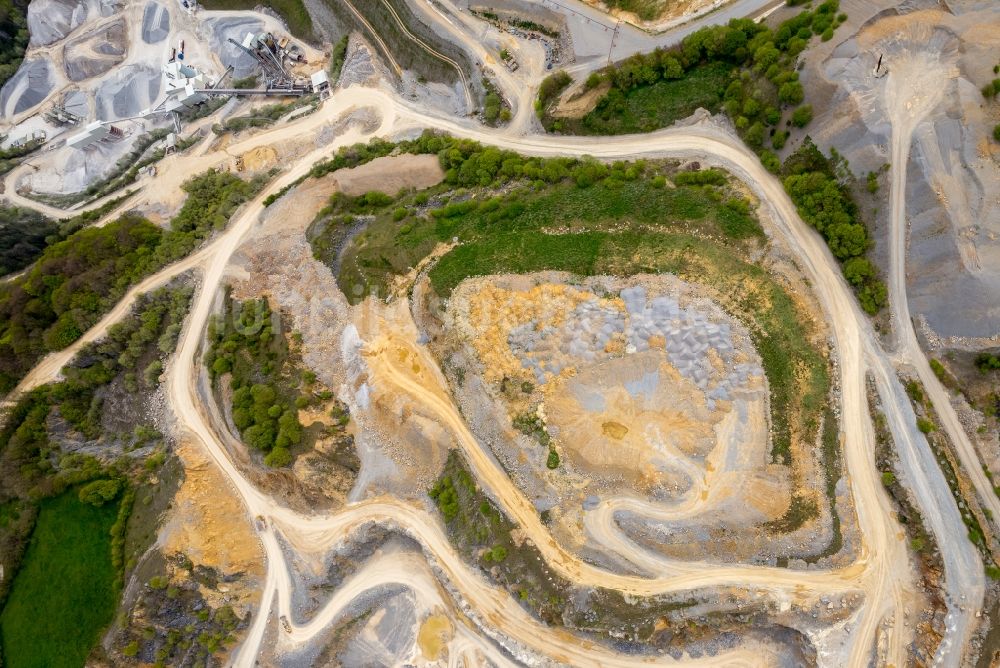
[(882, 569)]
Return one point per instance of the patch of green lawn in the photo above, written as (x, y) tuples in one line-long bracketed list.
[(65, 592)]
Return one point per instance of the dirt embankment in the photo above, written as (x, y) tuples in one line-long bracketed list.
[(390, 174), (577, 101)]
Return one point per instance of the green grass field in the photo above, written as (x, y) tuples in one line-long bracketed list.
[(652, 107), (293, 11), (65, 592)]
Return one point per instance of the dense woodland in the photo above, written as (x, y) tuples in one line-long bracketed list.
[(13, 36), (249, 345), (23, 237)]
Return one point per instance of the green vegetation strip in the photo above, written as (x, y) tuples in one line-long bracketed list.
[(66, 591), (748, 71)]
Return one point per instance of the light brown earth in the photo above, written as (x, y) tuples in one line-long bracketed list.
[(435, 633), (671, 12), (260, 158), (677, 420), (207, 523), (390, 174), (577, 102)]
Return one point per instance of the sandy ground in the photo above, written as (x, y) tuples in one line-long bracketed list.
[(207, 524), (278, 263), (657, 424), (390, 174)]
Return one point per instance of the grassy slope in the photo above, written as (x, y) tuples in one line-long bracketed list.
[(65, 593), (405, 51)]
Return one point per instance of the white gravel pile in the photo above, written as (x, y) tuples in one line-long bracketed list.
[(689, 335)]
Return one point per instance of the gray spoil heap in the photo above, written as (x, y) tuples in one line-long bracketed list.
[(155, 23), (27, 88), (687, 335)]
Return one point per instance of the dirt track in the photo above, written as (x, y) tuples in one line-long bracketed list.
[(882, 570)]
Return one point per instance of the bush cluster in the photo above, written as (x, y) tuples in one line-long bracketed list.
[(827, 205), (253, 352)]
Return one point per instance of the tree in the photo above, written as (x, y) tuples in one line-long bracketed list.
[(99, 492), (791, 92), (802, 116), (754, 136), (278, 458), (152, 373), (858, 271), (847, 240), (671, 68)]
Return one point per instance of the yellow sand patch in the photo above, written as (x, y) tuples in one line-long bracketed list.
[(435, 633), (259, 158)]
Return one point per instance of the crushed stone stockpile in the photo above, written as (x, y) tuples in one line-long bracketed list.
[(155, 23), (128, 91), (597, 329), (27, 88), (51, 20), (95, 52), (221, 30)]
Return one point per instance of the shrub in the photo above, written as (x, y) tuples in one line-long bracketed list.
[(713, 177), (987, 362), (337, 58), (497, 554), (551, 87), (925, 425), (802, 116), (278, 457), (996, 132), (888, 478), (791, 92), (99, 492), (553, 459)]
